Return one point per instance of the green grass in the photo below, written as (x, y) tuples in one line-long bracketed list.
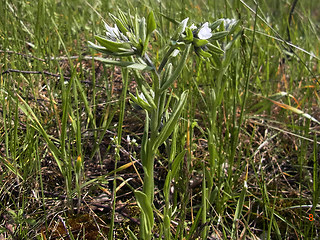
[(248, 134)]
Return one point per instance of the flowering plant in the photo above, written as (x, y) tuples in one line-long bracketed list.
[(130, 38)]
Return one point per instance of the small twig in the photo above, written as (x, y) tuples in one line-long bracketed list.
[(34, 72), (23, 55), (62, 58), (288, 27), (45, 73), (290, 18), (120, 209)]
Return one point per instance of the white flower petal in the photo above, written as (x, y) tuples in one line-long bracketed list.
[(184, 24), (204, 32), (193, 27)]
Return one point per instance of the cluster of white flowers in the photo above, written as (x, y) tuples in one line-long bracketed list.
[(114, 139), (203, 32), (132, 141), (202, 37)]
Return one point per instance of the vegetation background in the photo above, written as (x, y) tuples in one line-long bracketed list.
[(251, 121)]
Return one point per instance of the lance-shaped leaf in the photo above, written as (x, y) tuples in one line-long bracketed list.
[(120, 25), (121, 21), (142, 30), (126, 53), (167, 73), (199, 42), (239, 207), (176, 163), (148, 97), (219, 35), (140, 102), (151, 23), (146, 209), (215, 49), (132, 65), (169, 126), (124, 17), (216, 24), (202, 53), (113, 46), (145, 140)]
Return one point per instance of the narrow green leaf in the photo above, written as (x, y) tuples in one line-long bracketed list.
[(199, 42), (121, 27), (202, 53), (132, 65), (84, 98), (148, 97), (140, 102), (145, 206), (167, 73), (166, 187), (127, 52), (131, 234), (142, 30), (239, 209), (151, 23), (216, 24), (113, 46), (215, 49), (123, 17), (176, 163), (219, 35)]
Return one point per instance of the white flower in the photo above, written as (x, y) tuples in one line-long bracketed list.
[(204, 32), (131, 141)]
